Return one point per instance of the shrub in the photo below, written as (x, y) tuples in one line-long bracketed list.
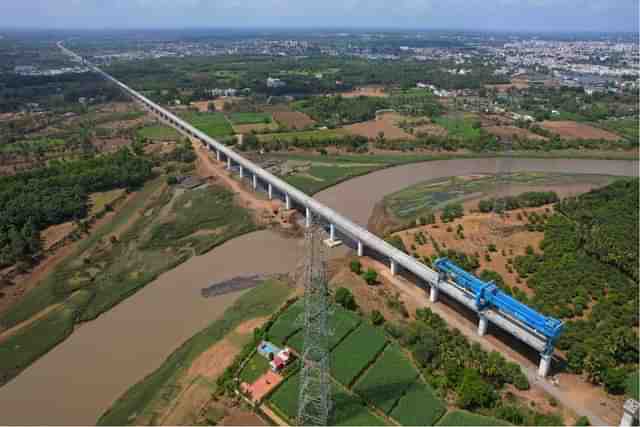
[(345, 298), (377, 318), (370, 276), (356, 266)]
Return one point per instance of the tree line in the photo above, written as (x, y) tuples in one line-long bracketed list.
[(34, 200)]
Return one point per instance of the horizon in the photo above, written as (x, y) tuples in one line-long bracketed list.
[(457, 15)]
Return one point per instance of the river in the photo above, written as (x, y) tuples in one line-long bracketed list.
[(79, 379)]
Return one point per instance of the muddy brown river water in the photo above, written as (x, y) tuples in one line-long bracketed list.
[(79, 379)]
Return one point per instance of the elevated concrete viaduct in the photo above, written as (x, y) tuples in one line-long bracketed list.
[(360, 236)]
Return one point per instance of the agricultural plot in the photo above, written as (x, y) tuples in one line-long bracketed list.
[(309, 135), (213, 124), (249, 118), (464, 418), (341, 323), (387, 380), (293, 119), (460, 127), (354, 354), (567, 129), (629, 128), (159, 133), (286, 325), (348, 410), (419, 407), (384, 125)]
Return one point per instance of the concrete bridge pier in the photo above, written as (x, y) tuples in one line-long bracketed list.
[(332, 232), (270, 191), (360, 248), (433, 294), (218, 155), (483, 323), (241, 172), (631, 413), (393, 266), (307, 217), (287, 202), (545, 365), (255, 181), (229, 163)]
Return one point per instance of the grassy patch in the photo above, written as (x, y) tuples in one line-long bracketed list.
[(419, 406), (213, 124), (413, 201), (163, 383), (464, 418), (354, 354), (459, 127), (210, 208), (159, 133), (629, 128), (99, 201), (254, 369), (249, 118), (386, 381), (31, 342), (321, 177)]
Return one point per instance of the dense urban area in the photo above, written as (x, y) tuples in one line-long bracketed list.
[(138, 261)]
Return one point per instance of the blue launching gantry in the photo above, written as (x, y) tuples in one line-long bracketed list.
[(488, 295)]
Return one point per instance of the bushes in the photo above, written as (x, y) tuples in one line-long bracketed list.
[(345, 298), (356, 266), (451, 212), (528, 199), (473, 392)]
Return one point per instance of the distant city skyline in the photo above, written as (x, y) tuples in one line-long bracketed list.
[(507, 15)]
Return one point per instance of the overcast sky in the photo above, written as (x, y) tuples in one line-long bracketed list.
[(547, 15)]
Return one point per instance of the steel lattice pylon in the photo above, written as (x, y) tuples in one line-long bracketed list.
[(314, 401), (504, 169)]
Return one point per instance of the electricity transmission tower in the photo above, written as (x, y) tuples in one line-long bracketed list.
[(314, 401), (504, 169)]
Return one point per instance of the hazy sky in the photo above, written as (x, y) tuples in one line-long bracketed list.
[(557, 15)]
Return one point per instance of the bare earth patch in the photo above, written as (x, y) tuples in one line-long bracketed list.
[(574, 130), (258, 127), (375, 91), (56, 233), (513, 132), (293, 119), (385, 123)]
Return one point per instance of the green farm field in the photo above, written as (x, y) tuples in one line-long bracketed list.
[(341, 323), (249, 118), (419, 406), (464, 418), (459, 127), (385, 382), (348, 409), (319, 177), (254, 369), (286, 324), (159, 133), (213, 124), (355, 353)]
